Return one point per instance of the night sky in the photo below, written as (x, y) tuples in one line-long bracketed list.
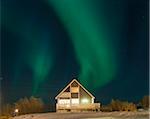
[(47, 43)]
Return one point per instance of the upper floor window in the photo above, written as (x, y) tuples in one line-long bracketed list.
[(74, 95)]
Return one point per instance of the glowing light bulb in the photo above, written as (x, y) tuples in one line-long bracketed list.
[(84, 100), (16, 110)]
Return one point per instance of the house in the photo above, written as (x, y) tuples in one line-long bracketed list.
[(75, 98)]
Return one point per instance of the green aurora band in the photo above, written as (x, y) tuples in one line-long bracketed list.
[(34, 53), (88, 33), (89, 36)]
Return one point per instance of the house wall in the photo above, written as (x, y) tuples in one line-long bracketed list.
[(84, 95), (75, 94), (71, 99)]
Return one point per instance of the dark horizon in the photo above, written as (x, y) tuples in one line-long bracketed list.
[(104, 44)]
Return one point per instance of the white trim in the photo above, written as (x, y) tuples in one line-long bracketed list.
[(92, 100)]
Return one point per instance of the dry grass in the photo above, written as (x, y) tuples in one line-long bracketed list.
[(5, 117)]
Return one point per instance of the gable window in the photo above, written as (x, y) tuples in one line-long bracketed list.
[(74, 84)]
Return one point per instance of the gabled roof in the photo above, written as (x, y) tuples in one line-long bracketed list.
[(70, 84)]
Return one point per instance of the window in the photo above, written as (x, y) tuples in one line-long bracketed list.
[(75, 101), (74, 84), (64, 98), (64, 101), (84, 101), (74, 95)]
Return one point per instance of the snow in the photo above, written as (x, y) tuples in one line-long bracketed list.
[(88, 115)]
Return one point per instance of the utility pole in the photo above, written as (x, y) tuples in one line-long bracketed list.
[(1, 95)]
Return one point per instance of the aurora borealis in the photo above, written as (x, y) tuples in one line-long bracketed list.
[(94, 53), (102, 43)]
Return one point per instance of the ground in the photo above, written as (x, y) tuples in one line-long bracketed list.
[(88, 115)]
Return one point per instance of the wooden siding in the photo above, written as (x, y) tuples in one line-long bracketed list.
[(74, 89), (65, 94)]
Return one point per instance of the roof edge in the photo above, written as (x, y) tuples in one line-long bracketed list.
[(70, 84)]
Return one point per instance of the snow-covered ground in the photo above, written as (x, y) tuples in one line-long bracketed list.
[(88, 115)]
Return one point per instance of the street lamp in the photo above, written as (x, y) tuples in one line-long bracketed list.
[(16, 111)]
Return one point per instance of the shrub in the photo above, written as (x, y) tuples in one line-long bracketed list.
[(117, 105), (128, 106), (145, 102), (106, 108), (25, 106), (32, 105), (36, 105), (7, 110)]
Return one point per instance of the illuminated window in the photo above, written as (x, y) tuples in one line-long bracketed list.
[(64, 101), (75, 101), (84, 101)]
